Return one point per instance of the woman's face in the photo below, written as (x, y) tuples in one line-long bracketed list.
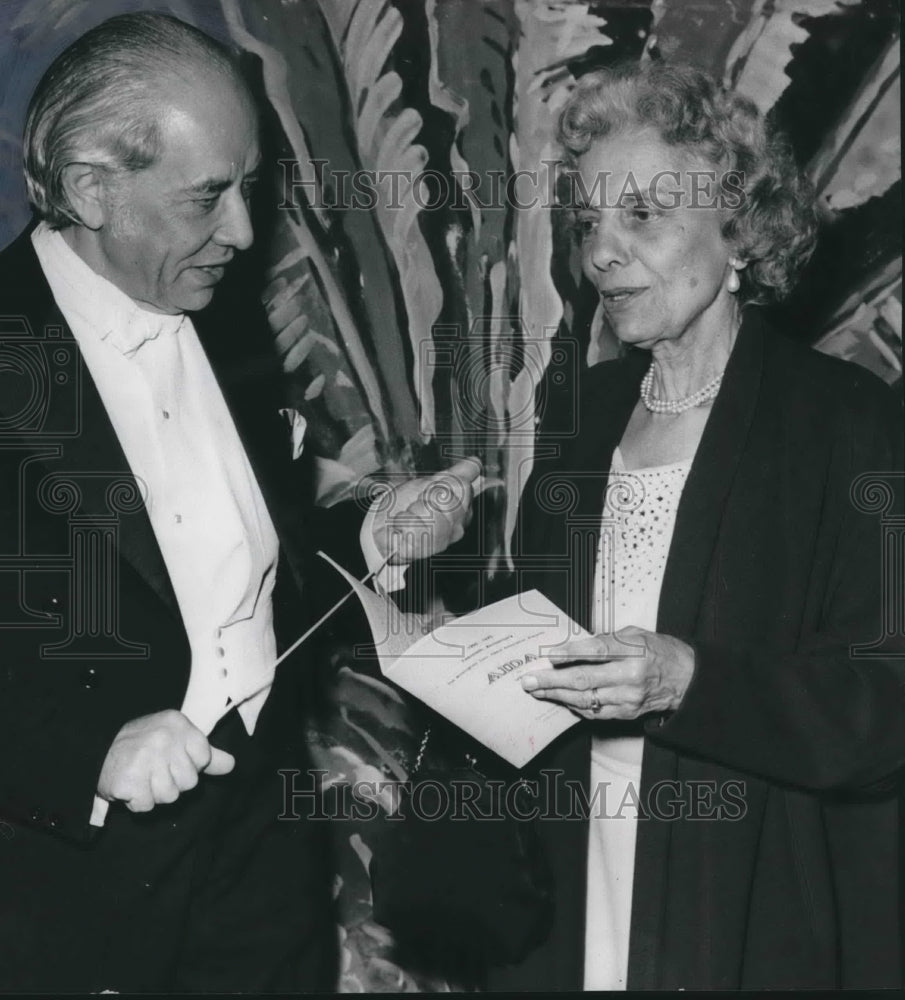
[(649, 220)]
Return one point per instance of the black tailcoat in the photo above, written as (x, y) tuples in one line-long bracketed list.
[(92, 638)]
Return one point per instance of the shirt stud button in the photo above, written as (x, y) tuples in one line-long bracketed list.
[(166, 414), (178, 518), (221, 651)]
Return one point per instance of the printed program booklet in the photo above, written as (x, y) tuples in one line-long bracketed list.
[(468, 669)]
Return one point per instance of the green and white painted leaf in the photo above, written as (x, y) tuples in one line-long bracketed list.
[(550, 35), (679, 29), (366, 33), (307, 306), (760, 55), (869, 331), (470, 78), (862, 157)]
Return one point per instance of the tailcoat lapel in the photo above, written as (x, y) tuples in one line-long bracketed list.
[(87, 452), (250, 384)]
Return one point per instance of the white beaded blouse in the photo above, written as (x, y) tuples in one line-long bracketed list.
[(636, 532)]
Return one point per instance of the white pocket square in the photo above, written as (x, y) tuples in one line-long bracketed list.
[(297, 425)]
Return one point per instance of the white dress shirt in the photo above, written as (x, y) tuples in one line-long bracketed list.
[(205, 507)]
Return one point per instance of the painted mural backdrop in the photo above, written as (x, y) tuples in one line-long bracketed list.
[(424, 297)]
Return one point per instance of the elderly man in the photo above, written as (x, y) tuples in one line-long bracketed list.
[(152, 556)]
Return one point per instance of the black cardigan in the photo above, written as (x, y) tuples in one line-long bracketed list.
[(774, 575)]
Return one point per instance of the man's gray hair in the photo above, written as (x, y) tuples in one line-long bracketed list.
[(99, 102)]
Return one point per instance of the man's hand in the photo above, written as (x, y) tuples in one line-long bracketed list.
[(620, 676), (156, 758), (425, 516)]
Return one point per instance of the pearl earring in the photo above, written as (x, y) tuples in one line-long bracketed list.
[(733, 284)]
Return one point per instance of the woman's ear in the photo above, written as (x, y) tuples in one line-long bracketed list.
[(83, 185)]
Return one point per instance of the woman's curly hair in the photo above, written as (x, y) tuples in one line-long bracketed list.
[(774, 227)]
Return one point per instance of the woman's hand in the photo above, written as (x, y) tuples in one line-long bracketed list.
[(616, 676)]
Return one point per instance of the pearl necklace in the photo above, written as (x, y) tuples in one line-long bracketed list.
[(674, 406)]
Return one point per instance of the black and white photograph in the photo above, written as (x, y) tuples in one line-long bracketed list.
[(452, 498)]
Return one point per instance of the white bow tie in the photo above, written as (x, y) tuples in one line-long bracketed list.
[(141, 327)]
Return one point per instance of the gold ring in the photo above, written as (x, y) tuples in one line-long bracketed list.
[(595, 701)]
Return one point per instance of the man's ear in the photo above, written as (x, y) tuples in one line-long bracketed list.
[(83, 185)]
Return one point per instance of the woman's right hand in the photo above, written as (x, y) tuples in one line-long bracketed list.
[(422, 517)]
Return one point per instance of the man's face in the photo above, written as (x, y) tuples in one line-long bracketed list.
[(169, 229)]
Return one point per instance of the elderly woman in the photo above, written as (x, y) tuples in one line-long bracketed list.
[(712, 524)]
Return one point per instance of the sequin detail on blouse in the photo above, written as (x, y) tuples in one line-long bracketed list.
[(636, 533)]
